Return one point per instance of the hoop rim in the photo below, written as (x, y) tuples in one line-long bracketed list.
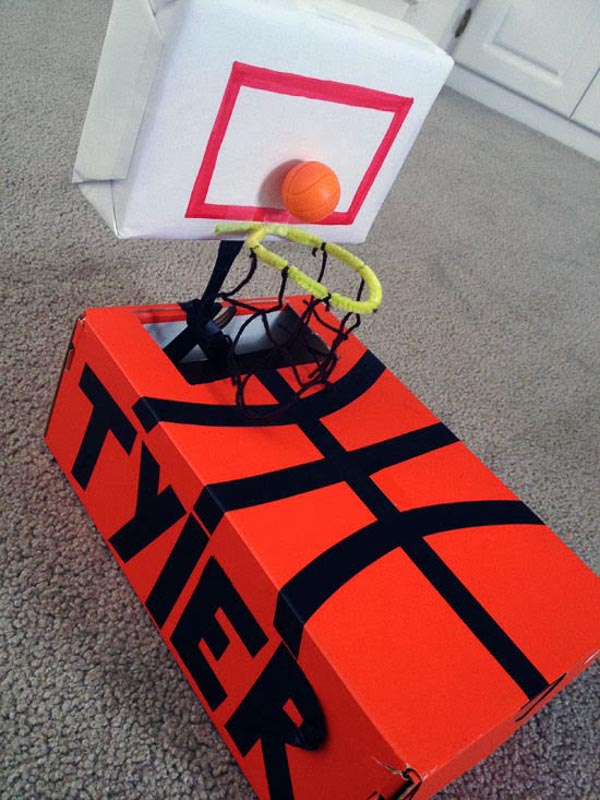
[(257, 231)]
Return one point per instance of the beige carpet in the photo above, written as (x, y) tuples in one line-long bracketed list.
[(488, 248)]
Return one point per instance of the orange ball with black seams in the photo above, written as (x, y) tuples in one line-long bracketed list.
[(311, 191)]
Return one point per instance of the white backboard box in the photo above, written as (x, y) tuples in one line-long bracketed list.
[(201, 106)]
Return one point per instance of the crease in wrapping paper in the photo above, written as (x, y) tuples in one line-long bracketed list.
[(128, 65)]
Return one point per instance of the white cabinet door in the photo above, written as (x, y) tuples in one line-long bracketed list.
[(588, 111), (546, 50)]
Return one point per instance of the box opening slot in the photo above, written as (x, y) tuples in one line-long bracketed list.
[(255, 350)]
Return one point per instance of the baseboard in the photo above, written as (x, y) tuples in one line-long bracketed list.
[(526, 111)]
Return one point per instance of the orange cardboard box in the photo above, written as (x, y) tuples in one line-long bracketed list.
[(364, 610)]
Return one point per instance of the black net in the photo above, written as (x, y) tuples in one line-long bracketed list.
[(292, 339), (298, 336)]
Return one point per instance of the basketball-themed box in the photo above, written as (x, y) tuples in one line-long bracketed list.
[(201, 107), (363, 609)]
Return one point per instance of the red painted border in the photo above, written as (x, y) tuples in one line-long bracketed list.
[(298, 86)]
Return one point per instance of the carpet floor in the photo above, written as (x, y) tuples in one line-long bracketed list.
[(488, 248)]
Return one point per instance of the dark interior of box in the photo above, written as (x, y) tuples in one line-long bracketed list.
[(276, 339)]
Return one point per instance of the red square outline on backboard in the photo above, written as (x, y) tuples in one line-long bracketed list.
[(298, 86)]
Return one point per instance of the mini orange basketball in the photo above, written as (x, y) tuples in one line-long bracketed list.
[(310, 191)]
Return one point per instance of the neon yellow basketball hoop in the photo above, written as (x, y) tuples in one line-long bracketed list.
[(257, 233)]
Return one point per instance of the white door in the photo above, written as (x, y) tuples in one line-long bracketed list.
[(545, 50)]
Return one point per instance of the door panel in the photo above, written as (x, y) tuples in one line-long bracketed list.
[(547, 50)]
